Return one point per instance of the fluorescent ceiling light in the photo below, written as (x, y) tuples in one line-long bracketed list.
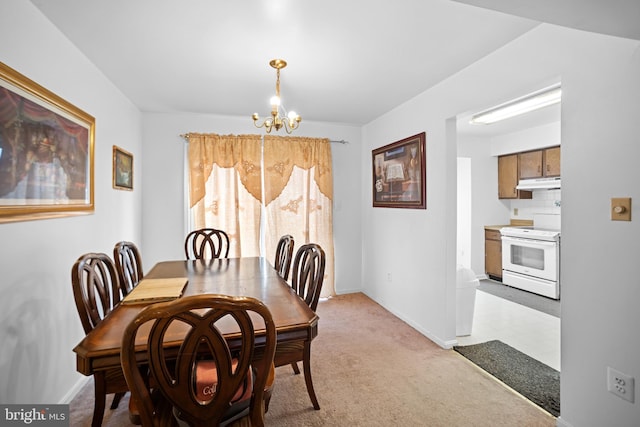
[(542, 98)]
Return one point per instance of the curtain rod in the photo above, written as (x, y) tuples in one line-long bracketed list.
[(336, 141)]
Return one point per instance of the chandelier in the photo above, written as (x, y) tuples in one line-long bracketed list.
[(279, 116)]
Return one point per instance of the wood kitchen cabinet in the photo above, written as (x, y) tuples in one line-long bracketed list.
[(530, 164), (539, 163), (508, 175), (552, 161), (493, 254)]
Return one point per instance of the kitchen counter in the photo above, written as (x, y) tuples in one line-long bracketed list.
[(495, 227), (513, 223)]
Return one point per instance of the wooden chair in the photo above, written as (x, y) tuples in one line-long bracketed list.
[(206, 243), (284, 254), (96, 291), (207, 380), (128, 265), (308, 275)]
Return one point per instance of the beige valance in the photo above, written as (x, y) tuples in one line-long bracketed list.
[(242, 152), (282, 153)]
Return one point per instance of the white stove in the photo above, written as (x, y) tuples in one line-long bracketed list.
[(531, 258), (531, 233)]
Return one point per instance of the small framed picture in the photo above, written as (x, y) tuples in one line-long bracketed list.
[(399, 174), (122, 169)]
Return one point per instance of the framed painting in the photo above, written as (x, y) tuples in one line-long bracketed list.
[(122, 169), (399, 174), (46, 152)]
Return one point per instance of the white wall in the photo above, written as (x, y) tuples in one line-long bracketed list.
[(527, 139), (40, 324), (486, 208), (599, 134), (164, 196), (464, 212)]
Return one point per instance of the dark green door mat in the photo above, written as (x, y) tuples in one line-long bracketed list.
[(533, 379)]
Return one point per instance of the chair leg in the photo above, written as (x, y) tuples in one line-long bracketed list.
[(134, 412), (294, 365), (306, 365), (100, 397), (267, 400), (116, 400)]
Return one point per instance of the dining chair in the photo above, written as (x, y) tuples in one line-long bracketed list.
[(284, 254), (128, 265), (306, 281), (204, 379), (206, 243), (96, 291)]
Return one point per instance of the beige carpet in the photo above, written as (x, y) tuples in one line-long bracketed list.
[(372, 369)]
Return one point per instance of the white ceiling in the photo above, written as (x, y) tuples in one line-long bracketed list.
[(349, 61)]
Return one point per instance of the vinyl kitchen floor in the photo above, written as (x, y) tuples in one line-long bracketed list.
[(533, 332)]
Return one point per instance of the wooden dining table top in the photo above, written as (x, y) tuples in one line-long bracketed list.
[(254, 277)]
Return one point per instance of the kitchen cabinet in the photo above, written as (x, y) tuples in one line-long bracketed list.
[(539, 163), (552, 161), (530, 164), (508, 175), (493, 254)]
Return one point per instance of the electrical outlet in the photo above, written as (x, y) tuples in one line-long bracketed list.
[(620, 384), (389, 279)]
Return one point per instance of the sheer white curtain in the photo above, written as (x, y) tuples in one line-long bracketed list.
[(225, 192), (225, 188), (299, 196)]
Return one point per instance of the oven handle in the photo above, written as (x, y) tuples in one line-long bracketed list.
[(530, 242)]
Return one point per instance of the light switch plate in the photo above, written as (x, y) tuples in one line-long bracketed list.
[(621, 208)]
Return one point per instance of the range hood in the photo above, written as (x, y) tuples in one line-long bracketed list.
[(539, 184)]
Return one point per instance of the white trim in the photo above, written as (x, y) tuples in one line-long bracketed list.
[(73, 391), (562, 423), (447, 345)]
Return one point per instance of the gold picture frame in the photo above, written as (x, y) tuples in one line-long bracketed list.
[(399, 174), (122, 169), (46, 152)]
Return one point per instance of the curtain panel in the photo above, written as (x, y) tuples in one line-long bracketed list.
[(298, 188), (225, 187), (225, 192)]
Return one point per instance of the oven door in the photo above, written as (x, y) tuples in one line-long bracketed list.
[(535, 258)]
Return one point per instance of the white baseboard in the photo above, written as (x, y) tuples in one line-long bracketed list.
[(349, 291), (67, 398), (444, 344), (562, 423)]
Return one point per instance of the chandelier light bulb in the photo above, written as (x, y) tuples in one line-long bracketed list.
[(275, 100)]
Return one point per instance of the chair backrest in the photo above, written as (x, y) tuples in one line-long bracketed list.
[(128, 264), (175, 372), (284, 255), (96, 288), (308, 273), (206, 243)]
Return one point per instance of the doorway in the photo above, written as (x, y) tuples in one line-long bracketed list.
[(497, 317)]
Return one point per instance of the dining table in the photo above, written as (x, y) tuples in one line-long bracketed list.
[(255, 277)]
